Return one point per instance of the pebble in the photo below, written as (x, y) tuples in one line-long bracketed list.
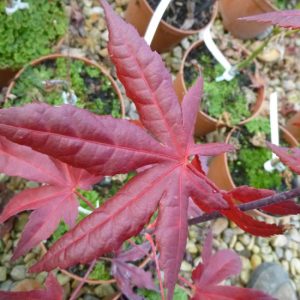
[(227, 235), (186, 267), (239, 247), (177, 52), (191, 247), (255, 261), (288, 85), (18, 272), (295, 265), (288, 254), (63, 279), (295, 235), (280, 241), (266, 249), (256, 249), (279, 252), (3, 274), (6, 285), (285, 265), (219, 226), (104, 290)]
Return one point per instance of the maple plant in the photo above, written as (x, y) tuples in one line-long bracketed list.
[(66, 148)]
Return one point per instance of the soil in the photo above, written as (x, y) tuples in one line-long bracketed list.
[(187, 14), (230, 101), (246, 165), (48, 81)]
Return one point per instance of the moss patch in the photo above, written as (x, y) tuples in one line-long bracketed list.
[(48, 81), (247, 168), (30, 33), (226, 100)]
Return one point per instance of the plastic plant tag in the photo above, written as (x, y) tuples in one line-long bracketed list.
[(274, 163), (155, 20), (229, 72)]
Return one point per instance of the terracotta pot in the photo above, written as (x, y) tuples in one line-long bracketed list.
[(205, 123), (219, 171), (231, 10), (139, 14), (294, 129), (102, 69)]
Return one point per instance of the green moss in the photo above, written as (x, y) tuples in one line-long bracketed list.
[(100, 271), (30, 33), (287, 4), (251, 161), (179, 294), (258, 125), (248, 168), (47, 81), (59, 232), (220, 97)]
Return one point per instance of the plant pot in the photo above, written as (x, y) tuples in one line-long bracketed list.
[(231, 10), (219, 171), (292, 128), (39, 31), (47, 78), (139, 14), (204, 122)]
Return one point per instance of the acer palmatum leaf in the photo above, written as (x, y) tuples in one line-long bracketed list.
[(284, 18), (128, 275), (289, 156), (247, 194), (51, 202), (163, 148), (52, 291), (216, 268)]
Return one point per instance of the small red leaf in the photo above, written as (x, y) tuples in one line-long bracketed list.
[(247, 194), (289, 156), (285, 18)]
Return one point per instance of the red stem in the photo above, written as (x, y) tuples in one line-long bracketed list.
[(76, 291), (162, 292)]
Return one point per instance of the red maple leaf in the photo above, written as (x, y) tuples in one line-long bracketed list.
[(247, 194), (52, 291), (128, 275), (51, 202), (289, 156), (285, 18), (106, 146), (216, 268)]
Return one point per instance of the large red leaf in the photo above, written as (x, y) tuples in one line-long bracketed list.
[(108, 226), (216, 268), (146, 81), (75, 136), (163, 149), (285, 18), (51, 202), (52, 291)]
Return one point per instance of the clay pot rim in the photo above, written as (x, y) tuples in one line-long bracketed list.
[(260, 93), (181, 31), (284, 131), (87, 61)]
